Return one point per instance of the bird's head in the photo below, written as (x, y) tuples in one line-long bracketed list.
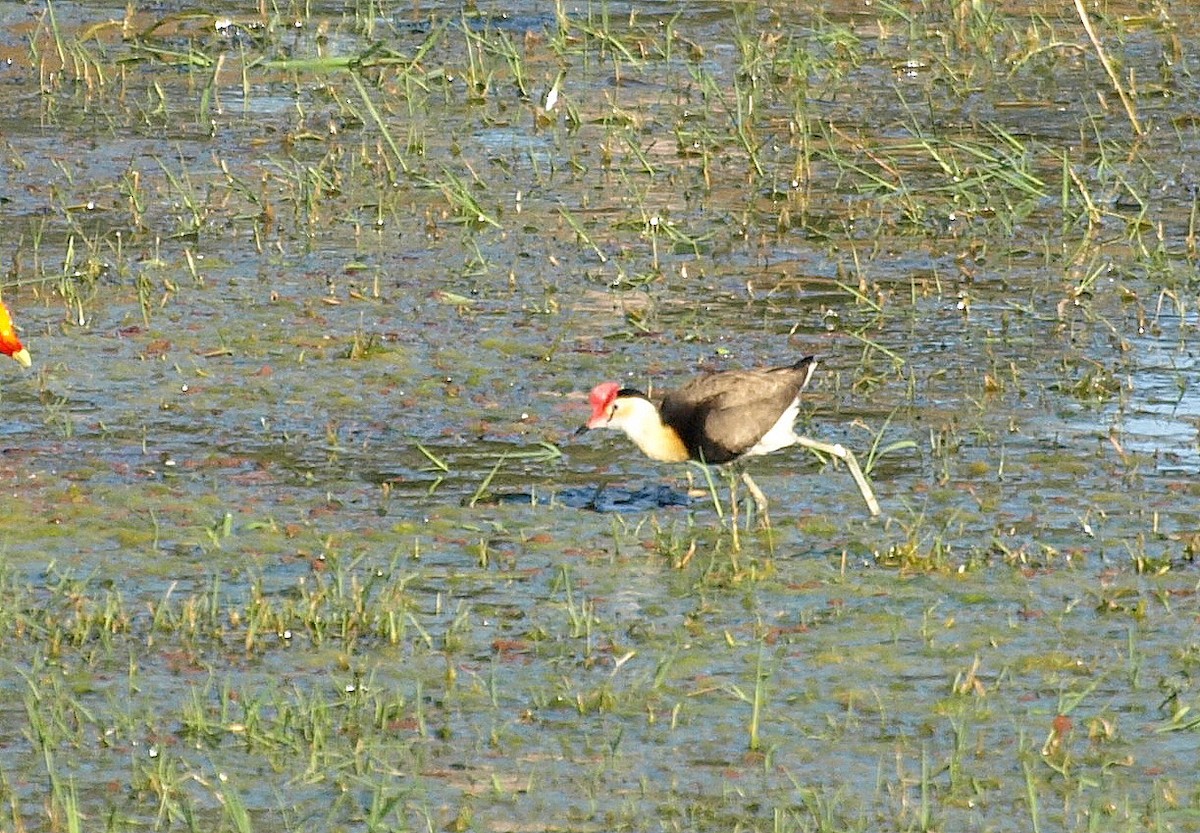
[(10, 345), (603, 400), (616, 407)]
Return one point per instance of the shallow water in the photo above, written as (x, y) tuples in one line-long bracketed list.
[(298, 522)]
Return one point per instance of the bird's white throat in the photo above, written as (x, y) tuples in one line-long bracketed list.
[(641, 422)]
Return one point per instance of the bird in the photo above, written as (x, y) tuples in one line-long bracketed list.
[(719, 418), (10, 344)]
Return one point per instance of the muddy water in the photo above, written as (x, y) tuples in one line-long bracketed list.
[(295, 336)]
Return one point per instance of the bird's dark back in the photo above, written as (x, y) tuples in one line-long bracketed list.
[(721, 416)]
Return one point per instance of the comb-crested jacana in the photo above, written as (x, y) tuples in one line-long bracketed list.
[(719, 418)]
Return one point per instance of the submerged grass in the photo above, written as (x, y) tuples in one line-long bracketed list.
[(365, 701)]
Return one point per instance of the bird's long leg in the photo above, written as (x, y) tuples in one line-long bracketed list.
[(733, 513), (846, 456), (733, 501), (760, 500)]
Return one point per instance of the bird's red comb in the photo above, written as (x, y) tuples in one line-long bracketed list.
[(603, 394)]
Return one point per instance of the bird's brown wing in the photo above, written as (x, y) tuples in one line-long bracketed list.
[(722, 415)]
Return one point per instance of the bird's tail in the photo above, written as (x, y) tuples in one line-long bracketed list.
[(807, 364)]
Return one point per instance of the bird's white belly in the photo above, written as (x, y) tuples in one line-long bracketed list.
[(781, 435)]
